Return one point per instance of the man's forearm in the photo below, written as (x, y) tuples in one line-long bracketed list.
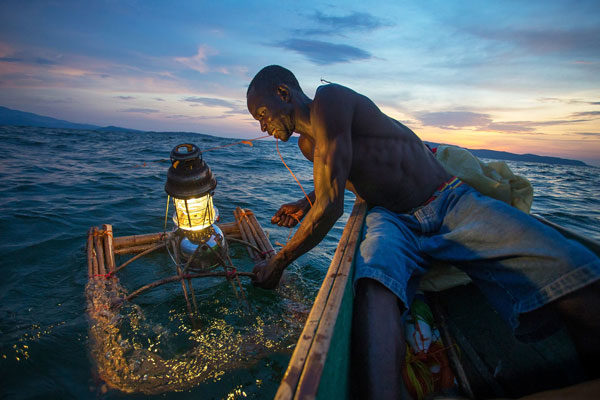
[(312, 198), (313, 229)]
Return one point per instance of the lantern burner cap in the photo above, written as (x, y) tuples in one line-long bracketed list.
[(189, 176)]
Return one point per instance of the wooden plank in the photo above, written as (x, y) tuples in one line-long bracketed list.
[(291, 378)]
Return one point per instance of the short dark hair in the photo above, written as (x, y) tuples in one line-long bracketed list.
[(270, 77)]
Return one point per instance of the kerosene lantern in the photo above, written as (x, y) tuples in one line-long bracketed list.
[(191, 184)]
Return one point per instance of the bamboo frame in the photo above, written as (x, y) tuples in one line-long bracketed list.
[(102, 247)]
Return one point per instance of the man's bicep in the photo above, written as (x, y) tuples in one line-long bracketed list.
[(332, 164), (332, 116)]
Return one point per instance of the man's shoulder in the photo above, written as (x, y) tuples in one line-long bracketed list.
[(333, 89), (334, 96)]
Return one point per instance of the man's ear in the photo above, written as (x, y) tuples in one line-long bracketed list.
[(284, 93)]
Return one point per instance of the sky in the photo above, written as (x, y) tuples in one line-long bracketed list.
[(518, 76)]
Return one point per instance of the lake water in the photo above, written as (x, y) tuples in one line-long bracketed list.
[(56, 183)]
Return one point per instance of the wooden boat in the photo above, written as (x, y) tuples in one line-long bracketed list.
[(491, 363)]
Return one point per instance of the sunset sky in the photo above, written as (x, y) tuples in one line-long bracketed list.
[(520, 76)]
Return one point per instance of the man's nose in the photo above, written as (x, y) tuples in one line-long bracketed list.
[(263, 126)]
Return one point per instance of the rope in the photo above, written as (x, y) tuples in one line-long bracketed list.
[(107, 276), (247, 141), (231, 273), (299, 184)]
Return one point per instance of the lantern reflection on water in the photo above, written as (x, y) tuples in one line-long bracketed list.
[(191, 184)]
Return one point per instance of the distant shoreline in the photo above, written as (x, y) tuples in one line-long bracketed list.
[(506, 156), (10, 117)]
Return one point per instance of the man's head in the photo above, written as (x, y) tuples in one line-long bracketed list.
[(269, 99)]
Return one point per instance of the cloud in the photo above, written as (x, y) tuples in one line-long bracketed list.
[(329, 24), (125, 97), (587, 134), (455, 119), (582, 41), (140, 110), (586, 114), (210, 102), (198, 61), (324, 53), (234, 107), (510, 127), (159, 99), (568, 101)]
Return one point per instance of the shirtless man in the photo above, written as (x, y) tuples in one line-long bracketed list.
[(417, 213)]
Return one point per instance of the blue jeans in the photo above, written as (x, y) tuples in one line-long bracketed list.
[(518, 263)]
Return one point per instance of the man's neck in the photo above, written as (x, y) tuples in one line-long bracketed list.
[(302, 117)]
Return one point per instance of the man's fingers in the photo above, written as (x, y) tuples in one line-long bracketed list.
[(291, 222)]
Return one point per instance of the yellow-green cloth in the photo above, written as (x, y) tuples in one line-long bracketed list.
[(494, 179)]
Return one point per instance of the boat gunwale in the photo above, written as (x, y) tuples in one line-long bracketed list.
[(302, 377)]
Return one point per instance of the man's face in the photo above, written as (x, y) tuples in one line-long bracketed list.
[(273, 113)]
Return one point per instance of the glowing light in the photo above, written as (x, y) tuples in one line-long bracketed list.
[(194, 214)]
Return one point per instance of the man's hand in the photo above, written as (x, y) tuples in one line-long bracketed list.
[(290, 214), (268, 273)]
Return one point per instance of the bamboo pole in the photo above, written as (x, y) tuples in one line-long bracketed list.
[(267, 246), (99, 252), (143, 253), (123, 242), (90, 245), (109, 254), (230, 239), (245, 234), (137, 240), (134, 249), (251, 229), (229, 228)]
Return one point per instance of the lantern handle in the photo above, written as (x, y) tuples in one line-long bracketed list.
[(192, 152)]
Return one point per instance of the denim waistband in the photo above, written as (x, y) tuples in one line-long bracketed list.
[(450, 184)]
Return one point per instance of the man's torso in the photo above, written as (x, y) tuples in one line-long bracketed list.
[(390, 167)]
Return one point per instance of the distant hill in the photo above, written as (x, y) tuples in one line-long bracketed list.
[(504, 155), (21, 118)]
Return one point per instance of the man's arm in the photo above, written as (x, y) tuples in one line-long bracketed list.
[(331, 120), (290, 214)]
